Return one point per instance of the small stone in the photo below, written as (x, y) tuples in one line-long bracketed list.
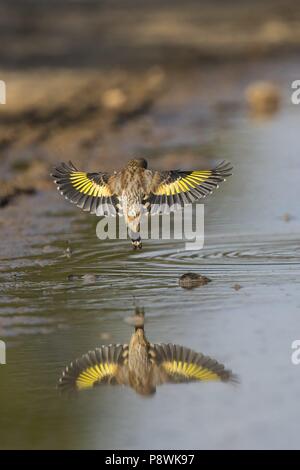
[(263, 98), (191, 280), (114, 98), (73, 277), (286, 217), (236, 286)]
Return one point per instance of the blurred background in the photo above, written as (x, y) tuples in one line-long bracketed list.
[(83, 77), (182, 84)]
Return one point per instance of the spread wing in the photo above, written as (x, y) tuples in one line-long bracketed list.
[(89, 191), (179, 364), (173, 188), (103, 365)]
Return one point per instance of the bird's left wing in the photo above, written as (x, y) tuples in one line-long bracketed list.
[(89, 191), (173, 188), (106, 364), (176, 363)]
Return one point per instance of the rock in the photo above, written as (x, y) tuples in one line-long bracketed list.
[(236, 287), (286, 217), (190, 280), (114, 98), (73, 277), (263, 98)]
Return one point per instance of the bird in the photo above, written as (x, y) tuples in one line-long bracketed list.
[(136, 190), (141, 365)]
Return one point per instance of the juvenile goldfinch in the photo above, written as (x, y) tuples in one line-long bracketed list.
[(136, 190), (141, 366)]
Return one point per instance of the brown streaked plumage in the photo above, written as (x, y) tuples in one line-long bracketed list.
[(136, 190), (141, 365)]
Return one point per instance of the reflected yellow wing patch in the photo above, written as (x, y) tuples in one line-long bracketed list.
[(103, 365), (180, 364), (190, 371)]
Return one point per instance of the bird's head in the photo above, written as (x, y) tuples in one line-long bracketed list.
[(137, 163)]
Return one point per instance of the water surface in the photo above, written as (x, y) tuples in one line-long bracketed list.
[(47, 320)]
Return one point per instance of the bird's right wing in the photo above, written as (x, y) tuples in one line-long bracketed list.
[(89, 191), (103, 365), (176, 188), (176, 364)]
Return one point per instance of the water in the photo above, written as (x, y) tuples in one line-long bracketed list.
[(48, 320)]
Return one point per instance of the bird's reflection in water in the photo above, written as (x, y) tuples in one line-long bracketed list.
[(141, 365)]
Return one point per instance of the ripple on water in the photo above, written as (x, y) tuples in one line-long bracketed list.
[(47, 290)]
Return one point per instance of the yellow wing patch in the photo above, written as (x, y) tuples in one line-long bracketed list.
[(183, 184), (190, 371), (103, 365), (96, 373), (81, 182)]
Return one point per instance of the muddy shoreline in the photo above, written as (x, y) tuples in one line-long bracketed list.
[(101, 119), (83, 78)]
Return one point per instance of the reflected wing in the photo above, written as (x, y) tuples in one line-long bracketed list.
[(179, 364), (184, 187), (89, 191), (103, 365)]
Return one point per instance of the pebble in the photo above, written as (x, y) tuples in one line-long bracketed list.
[(286, 217), (263, 97), (236, 286), (190, 280)]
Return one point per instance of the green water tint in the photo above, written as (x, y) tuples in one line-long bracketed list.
[(141, 365)]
